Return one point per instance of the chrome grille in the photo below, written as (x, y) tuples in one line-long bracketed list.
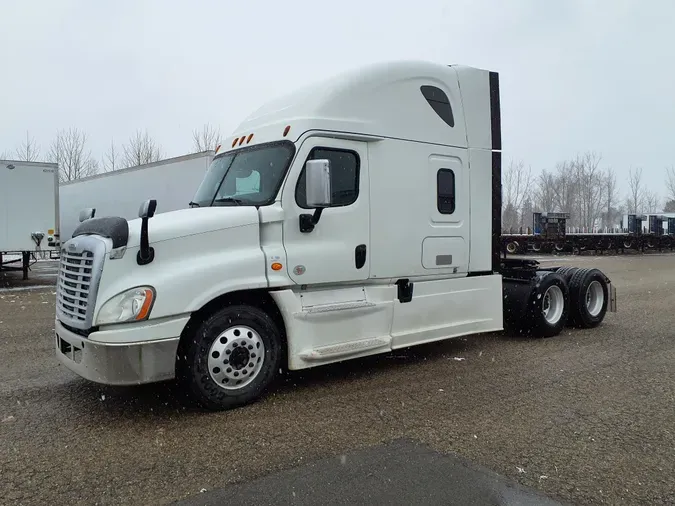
[(80, 270), (75, 277)]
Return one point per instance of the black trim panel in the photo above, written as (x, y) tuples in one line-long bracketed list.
[(112, 227), (495, 112), (496, 209)]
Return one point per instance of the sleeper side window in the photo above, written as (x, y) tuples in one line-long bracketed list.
[(439, 102), (445, 191), (344, 176)]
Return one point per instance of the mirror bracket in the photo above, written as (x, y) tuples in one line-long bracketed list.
[(309, 221), (146, 253)]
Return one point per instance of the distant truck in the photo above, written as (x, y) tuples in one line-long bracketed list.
[(357, 216), (29, 212), (172, 182)]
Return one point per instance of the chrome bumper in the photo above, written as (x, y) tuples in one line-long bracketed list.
[(116, 363)]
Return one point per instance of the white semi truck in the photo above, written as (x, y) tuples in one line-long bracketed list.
[(29, 212), (354, 217), (172, 182)]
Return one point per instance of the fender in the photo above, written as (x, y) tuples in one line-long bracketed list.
[(189, 272)]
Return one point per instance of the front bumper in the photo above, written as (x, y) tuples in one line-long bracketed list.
[(117, 363)]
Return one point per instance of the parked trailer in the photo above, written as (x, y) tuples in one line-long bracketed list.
[(29, 212), (354, 217), (550, 234), (172, 182)]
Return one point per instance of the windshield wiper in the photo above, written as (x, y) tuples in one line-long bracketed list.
[(227, 200), (193, 204)]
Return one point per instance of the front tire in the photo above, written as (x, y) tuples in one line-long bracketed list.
[(232, 357)]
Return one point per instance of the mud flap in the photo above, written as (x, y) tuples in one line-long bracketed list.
[(612, 298)]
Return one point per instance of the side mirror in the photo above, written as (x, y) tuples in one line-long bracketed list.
[(146, 253), (317, 176), (147, 209), (318, 192), (87, 214)]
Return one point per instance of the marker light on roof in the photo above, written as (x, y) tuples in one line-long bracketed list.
[(286, 130), (217, 148), (250, 136), (241, 141), (234, 142)]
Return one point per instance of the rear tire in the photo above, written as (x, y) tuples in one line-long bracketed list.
[(589, 297), (549, 307), (567, 272), (231, 357)]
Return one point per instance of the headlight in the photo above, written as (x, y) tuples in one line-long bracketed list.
[(131, 305)]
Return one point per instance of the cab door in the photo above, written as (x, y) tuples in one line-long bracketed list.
[(337, 249)]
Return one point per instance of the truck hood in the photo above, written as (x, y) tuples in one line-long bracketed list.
[(170, 225)]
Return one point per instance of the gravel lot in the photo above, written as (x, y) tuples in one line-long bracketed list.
[(586, 417)]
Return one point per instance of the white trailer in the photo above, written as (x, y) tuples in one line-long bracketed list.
[(29, 212), (172, 182), (357, 216)]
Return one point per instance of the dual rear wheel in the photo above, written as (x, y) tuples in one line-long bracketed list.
[(571, 296)]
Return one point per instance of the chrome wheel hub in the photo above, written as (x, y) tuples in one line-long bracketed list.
[(236, 357)]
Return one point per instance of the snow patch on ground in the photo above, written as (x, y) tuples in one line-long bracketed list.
[(24, 288)]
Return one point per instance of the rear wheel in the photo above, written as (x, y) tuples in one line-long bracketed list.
[(232, 357), (589, 296), (549, 306), (567, 272)]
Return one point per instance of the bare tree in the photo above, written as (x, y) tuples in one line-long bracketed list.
[(112, 158), (545, 197), (517, 181), (635, 198), (28, 150), (141, 149), (651, 202), (670, 182), (526, 212), (69, 150), (205, 139), (591, 190), (610, 216), (5, 155), (565, 189)]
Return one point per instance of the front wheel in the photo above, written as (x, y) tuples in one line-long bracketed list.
[(232, 357)]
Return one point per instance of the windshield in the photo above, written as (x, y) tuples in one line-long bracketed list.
[(251, 176)]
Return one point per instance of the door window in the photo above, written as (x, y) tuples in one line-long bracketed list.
[(344, 176)]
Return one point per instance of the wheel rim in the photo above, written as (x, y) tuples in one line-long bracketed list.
[(553, 304), (558, 247), (236, 357), (536, 247), (511, 247), (595, 298)]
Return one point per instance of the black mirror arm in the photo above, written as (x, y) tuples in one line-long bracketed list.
[(309, 221), (146, 254)]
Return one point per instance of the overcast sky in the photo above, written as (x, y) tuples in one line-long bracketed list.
[(576, 75)]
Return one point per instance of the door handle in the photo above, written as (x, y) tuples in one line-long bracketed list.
[(360, 256)]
